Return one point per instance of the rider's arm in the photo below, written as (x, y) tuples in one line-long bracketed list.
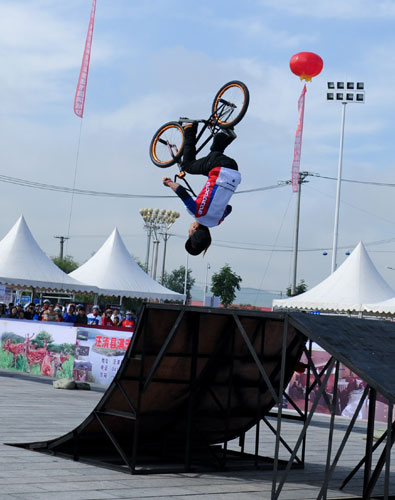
[(182, 193), (187, 199)]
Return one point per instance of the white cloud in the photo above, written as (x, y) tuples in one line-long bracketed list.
[(335, 9), (38, 49), (255, 28)]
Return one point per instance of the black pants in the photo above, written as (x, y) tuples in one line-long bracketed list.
[(202, 166)]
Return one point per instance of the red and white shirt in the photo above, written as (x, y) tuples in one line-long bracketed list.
[(211, 205)]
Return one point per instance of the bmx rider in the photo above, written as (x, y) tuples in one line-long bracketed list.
[(211, 205)]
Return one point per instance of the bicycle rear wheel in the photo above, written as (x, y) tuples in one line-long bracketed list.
[(167, 145), (230, 104)]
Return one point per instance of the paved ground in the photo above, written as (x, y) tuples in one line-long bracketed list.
[(31, 410)]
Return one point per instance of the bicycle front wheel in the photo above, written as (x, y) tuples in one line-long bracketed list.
[(167, 145), (230, 104)]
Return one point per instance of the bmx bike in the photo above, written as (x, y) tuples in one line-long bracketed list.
[(229, 107)]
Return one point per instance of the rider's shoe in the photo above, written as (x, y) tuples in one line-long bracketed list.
[(191, 128), (222, 140)]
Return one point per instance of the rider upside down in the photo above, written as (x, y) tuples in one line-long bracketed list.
[(211, 205)]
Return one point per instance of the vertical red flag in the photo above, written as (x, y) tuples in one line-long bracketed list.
[(298, 143), (79, 99)]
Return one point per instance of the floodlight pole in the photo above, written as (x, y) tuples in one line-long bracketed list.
[(339, 179), (149, 233), (344, 92), (155, 256)]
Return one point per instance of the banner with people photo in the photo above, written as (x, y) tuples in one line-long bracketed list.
[(349, 391)]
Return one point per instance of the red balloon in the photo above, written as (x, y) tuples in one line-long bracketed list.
[(306, 65)]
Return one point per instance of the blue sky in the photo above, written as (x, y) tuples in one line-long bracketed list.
[(154, 61)]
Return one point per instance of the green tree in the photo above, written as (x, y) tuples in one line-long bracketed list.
[(143, 266), (301, 288), (224, 285), (176, 281), (67, 264)]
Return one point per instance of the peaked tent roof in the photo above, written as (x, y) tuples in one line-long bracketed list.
[(115, 272), (355, 283), (24, 264)]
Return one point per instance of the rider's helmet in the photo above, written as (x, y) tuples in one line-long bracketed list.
[(199, 241)]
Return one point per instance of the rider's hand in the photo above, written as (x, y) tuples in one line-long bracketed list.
[(169, 183)]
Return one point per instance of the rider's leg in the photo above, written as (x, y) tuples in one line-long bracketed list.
[(189, 162), (222, 140)]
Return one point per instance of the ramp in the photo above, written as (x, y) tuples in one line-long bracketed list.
[(192, 378), (367, 347)]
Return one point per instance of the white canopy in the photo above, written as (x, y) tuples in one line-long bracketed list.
[(23, 264), (355, 283), (387, 306), (115, 272)]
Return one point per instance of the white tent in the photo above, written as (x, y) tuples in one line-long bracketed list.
[(355, 283), (386, 307), (24, 265), (115, 272)]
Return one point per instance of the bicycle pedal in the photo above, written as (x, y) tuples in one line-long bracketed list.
[(181, 175)]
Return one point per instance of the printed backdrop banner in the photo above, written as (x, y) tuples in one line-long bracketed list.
[(99, 354)]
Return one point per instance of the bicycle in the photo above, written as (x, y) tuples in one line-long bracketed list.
[(228, 109)]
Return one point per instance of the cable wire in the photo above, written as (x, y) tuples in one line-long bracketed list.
[(64, 189)]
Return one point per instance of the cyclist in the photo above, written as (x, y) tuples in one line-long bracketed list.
[(211, 205)]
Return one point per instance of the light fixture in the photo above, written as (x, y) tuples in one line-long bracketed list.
[(157, 222), (355, 92)]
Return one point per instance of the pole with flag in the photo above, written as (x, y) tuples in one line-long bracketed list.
[(306, 65), (80, 93), (79, 99)]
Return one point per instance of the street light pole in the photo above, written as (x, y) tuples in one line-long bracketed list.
[(205, 285), (186, 280)]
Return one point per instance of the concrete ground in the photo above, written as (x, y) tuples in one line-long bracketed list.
[(31, 410)]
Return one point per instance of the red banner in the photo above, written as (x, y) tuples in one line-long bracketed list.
[(79, 99), (298, 143)]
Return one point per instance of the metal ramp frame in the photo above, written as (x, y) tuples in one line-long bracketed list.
[(195, 378)]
